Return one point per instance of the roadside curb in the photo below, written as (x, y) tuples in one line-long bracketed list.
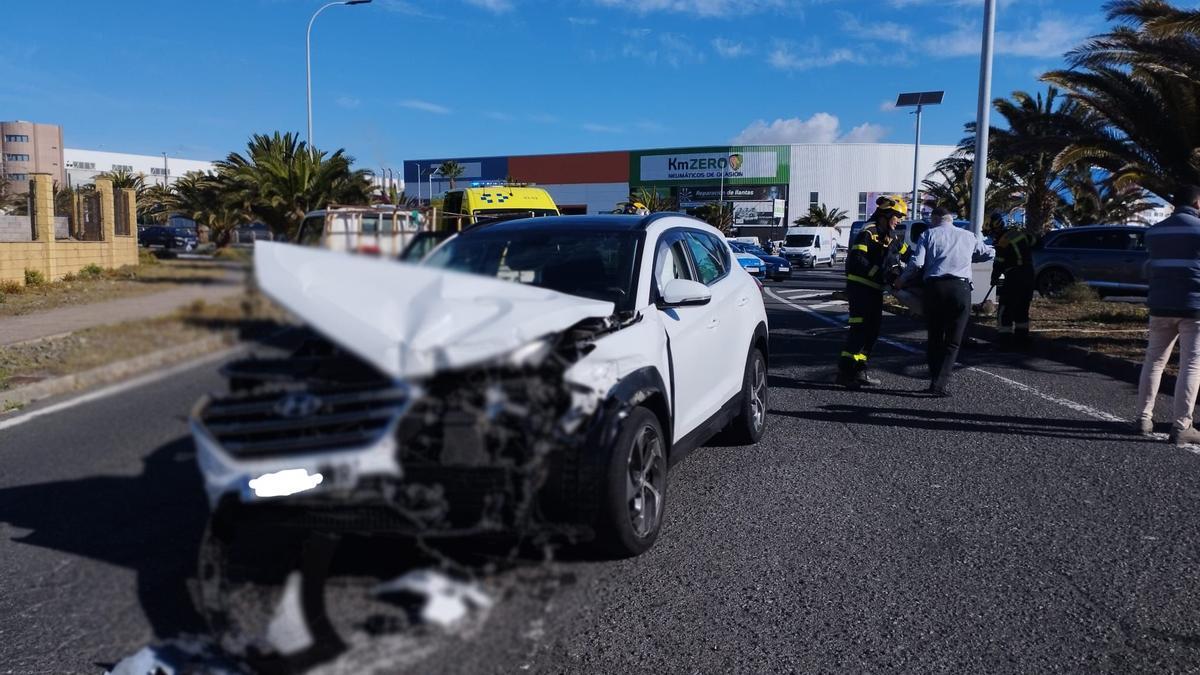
[(113, 372), (1052, 350)]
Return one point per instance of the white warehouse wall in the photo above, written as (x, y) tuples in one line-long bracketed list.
[(147, 165), (840, 171)]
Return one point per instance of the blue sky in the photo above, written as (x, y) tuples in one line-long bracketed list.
[(406, 79)]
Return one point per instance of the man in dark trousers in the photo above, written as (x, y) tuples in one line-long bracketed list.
[(865, 271), (943, 257), (1014, 262)]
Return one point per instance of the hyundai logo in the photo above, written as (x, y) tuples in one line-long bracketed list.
[(297, 405)]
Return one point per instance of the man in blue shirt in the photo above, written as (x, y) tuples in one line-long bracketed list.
[(943, 258)]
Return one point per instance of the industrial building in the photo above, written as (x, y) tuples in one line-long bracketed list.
[(28, 147), (769, 186)]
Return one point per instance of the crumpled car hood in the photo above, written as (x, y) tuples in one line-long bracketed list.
[(411, 321)]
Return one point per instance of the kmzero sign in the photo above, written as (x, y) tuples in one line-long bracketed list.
[(709, 165)]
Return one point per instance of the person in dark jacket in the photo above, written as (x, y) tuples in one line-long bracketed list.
[(1014, 262), (1174, 301), (865, 270)]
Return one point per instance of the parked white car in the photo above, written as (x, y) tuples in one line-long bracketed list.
[(529, 373)]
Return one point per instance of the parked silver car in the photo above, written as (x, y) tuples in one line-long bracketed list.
[(1109, 258)]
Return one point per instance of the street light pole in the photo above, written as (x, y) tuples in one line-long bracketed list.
[(431, 173), (983, 123), (308, 56), (916, 205)]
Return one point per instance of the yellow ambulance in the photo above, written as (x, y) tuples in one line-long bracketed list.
[(468, 206)]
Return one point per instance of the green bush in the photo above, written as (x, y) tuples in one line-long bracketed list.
[(69, 277), (34, 278), (91, 271), (147, 257), (1078, 292)]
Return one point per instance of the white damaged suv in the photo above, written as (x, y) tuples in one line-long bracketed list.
[(532, 376)]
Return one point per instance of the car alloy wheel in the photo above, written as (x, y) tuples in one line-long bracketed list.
[(646, 481), (758, 395)]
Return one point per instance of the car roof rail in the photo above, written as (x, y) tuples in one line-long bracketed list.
[(655, 217)]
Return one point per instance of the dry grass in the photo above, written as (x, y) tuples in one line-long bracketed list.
[(93, 284), (1111, 328), (34, 361)]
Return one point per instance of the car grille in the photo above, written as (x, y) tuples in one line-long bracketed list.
[(288, 406)]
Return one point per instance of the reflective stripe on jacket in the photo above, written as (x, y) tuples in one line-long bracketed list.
[(866, 261), (1014, 249)]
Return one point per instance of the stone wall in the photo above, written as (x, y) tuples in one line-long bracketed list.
[(55, 258)]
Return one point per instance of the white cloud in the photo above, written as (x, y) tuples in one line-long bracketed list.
[(705, 8), (671, 49), (496, 6), (425, 106), (581, 21), (729, 49), (499, 116), (784, 57), (819, 128), (864, 133), (408, 7), (1049, 37), (348, 102), (602, 128), (887, 105), (877, 30)]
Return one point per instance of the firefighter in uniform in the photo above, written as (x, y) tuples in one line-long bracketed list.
[(1014, 262), (866, 269)]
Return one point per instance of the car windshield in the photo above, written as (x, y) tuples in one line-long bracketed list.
[(597, 265), (482, 214), (755, 250), (801, 240)]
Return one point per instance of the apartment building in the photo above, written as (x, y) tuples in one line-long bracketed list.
[(27, 148)]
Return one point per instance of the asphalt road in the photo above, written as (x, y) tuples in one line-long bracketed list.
[(1015, 527)]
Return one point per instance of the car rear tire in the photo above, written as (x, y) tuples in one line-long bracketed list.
[(748, 427), (635, 487), (1053, 281)]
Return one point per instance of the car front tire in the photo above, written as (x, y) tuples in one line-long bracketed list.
[(636, 487), (748, 427)]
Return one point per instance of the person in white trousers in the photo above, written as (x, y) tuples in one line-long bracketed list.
[(1174, 302)]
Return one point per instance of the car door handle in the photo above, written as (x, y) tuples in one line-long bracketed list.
[(742, 301), (714, 323)]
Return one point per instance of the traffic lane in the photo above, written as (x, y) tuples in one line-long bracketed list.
[(888, 531), (101, 513)]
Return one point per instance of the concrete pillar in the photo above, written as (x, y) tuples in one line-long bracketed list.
[(41, 213), (76, 216), (108, 218)]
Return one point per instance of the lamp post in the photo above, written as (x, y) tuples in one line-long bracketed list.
[(919, 100), (308, 56), (983, 122), (431, 173)]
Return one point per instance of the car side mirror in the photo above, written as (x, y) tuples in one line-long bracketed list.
[(685, 293)]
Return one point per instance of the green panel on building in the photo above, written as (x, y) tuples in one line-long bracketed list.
[(736, 165)]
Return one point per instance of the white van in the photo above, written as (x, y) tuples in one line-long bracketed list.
[(373, 230), (810, 246)]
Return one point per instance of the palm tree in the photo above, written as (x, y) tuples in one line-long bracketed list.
[(280, 178), (821, 216), (654, 200), (1027, 151), (719, 215), (1142, 80), (1098, 200), (451, 171), (950, 187), (203, 198)]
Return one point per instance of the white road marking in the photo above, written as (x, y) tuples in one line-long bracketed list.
[(803, 294), (824, 305), (118, 388), (1078, 407)]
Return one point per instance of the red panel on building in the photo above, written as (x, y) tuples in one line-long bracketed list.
[(583, 167)]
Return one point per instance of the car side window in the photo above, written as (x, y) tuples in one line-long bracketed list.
[(311, 231), (1137, 241), (708, 265), (671, 262)]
